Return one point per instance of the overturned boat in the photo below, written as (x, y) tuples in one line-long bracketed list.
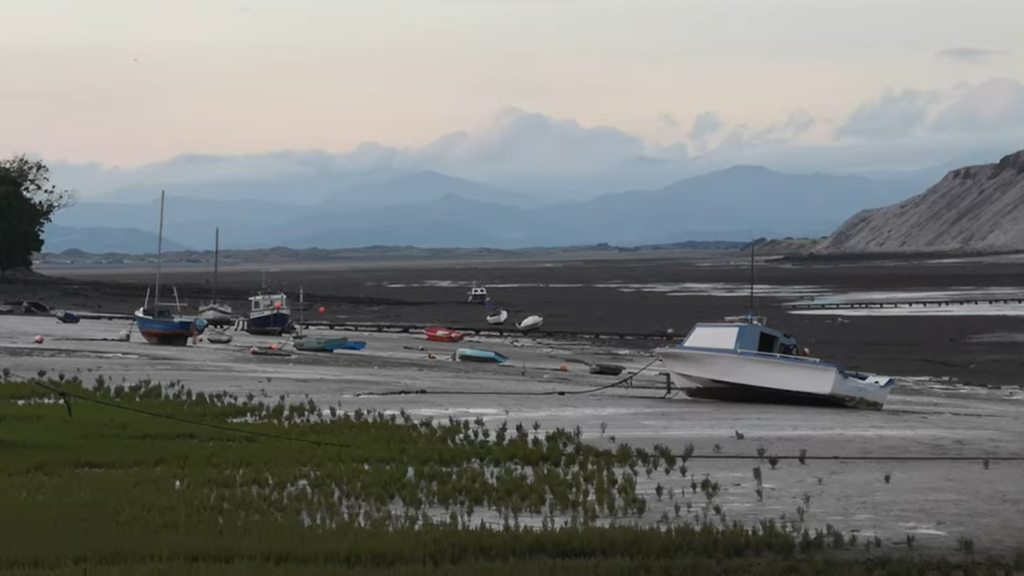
[(744, 360)]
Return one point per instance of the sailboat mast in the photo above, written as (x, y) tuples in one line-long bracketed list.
[(216, 259), (159, 251), (752, 245)]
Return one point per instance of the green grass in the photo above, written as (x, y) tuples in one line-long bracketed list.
[(120, 492)]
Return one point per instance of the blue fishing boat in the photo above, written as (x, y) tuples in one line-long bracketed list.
[(156, 323), (269, 314), (474, 355)]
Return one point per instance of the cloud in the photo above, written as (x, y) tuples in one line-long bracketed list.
[(993, 106), (893, 115), (705, 125), (531, 151), (969, 55)]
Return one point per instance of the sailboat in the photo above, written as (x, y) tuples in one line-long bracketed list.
[(157, 323), (215, 312)]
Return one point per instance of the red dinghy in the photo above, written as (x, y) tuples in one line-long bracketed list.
[(438, 334)]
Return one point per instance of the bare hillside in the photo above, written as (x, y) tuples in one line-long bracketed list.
[(974, 209)]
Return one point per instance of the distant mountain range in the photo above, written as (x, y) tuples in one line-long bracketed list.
[(430, 209), (106, 240), (977, 209)]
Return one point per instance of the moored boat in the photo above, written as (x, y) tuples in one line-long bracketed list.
[(67, 317), (530, 323), (269, 314), (352, 345), (496, 316), (474, 355), (157, 324), (744, 360), (215, 312), (477, 294), (316, 344), (438, 334)]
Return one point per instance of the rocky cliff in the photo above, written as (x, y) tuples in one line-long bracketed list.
[(972, 210)]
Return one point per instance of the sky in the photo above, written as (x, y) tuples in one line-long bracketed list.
[(129, 82)]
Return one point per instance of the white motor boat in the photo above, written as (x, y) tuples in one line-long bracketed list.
[(477, 294), (497, 317), (743, 360), (530, 323)]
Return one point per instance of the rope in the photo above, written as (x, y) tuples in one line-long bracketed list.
[(510, 393)]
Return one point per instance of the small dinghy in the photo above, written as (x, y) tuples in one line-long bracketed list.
[(473, 355), (606, 369), (438, 334), (67, 317), (497, 317), (320, 344), (530, 323), (351, 345)]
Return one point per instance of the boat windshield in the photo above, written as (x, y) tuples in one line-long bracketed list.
[(716, 337)]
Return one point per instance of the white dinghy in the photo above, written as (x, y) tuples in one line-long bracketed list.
[(530, 323)]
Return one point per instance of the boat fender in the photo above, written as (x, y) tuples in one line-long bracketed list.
[(807, 351)]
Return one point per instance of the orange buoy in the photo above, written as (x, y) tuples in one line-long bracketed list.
[(38, 339), (273, 346), (277, 305), (563, 368), (322, 309)]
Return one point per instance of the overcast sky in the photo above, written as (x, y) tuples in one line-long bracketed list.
[(125, 82)]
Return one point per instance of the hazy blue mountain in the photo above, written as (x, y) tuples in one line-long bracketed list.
[(733, 204), (421, 187), (104, 240), (431, 209), (448, 221)]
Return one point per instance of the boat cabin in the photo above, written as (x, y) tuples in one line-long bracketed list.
[(261, 302), (741, 337), (477, 294)]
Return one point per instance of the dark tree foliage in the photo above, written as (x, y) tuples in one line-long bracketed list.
[(27, 203)]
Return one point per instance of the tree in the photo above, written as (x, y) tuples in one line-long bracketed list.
[(27, 204)]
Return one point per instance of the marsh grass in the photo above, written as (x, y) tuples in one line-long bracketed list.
[(110, 491)]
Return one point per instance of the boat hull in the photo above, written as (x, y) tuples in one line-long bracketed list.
[(216, 314), (174, 331), (530, 324), (320, 344), (272, 323), (755, 377), (484, 356), (497, 318), (443, 335)]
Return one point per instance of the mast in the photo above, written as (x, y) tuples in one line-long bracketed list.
[(216, 258), (752, 245), (159, 252)]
